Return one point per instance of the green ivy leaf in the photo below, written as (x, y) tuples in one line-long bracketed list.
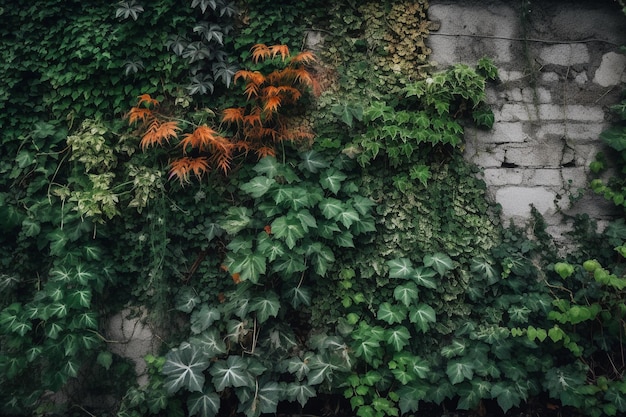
[(184, 367), (331, 208), (258, 186), (249, 265), (348, 216), (459, 370), (423, 276), (288, 228), (506, 395), (204, 404), (299, 392), (312, 161), (398, 337), (203, 318), (410, 397), (265, 307), (237, 219), (210, 342), (486, 271), (440, 262), (422, 315), (391, 314), (231, 372), (267, 166), (400, 268), (298, 296), (406, 293), (186, 299), (331, 179)]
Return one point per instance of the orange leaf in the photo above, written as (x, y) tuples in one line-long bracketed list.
[(233, 115), (305, 57), (262, 152), (253, 119), (201, 138), (259, 52), (222, 161), (182, 168), (268, 229), (151, 138), (272, 104), (252, 90), (281, 50), (139, 114), (254, 77), (236, 278), (147, 101)]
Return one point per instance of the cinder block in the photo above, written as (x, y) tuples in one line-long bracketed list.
[(540, 155), (502, 132), (565, 54), (543, 177), (503, 176), (516, 201), (611, 70)]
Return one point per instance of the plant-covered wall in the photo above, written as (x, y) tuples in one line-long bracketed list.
[(279, 193)]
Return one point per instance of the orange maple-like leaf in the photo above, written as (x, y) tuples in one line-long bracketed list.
[(252, 89), (260, 52), (233, 115), (262, 152), (272, 104), (137, 114), (253, 118), (150, 137), (281, 50), (182, 168), (255, 77), (222, 160), (201, 138), (147, 101), (236, 278), (304, 57)]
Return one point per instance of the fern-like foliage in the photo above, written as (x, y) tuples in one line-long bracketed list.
[(261, 126), (258, 128)]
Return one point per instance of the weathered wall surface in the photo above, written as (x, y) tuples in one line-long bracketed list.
[(560, 70)]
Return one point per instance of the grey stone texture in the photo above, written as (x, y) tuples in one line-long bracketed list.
[(559, 72)]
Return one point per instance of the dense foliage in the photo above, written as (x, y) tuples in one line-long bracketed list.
[(364, 263)]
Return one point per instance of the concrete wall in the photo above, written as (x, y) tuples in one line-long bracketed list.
[(560, 70)]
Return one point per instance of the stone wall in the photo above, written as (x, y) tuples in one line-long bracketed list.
[(560, 70)]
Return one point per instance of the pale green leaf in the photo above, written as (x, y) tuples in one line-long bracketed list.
[(249, 265), (184, 367), (231, 372), (289, 229), (400, 268), (391, 314), (440, 262), (398, 337), (312, 161), (422, 315), (236, 219), (331, 179), (300, 392), (406, 293), (459, 370), (424, 276), (410, 397), (331, 208), (257, 186), (267, 166), (203, 318), (348, 216), (203, 404), (210, 342), (266, 306)]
